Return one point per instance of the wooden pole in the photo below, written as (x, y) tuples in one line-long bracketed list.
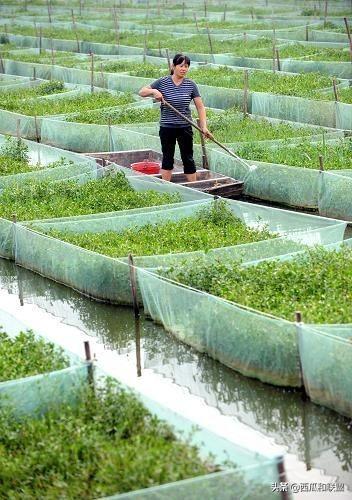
[(159, 48), (245, 93), (321, 163), (35, 28), (325, 12), (117, 27), (2, 66), (274, 49), (48, 7), (14, 218), (210, 43), (307, 33), (80, 8), (224, 15), (73, 20), (183, 9), (34, 73), (37, 136), (205, 162), (40, 40), (133, 283), (196, 21), (349, 36), (335, 89), (137, 330), (52, 53), (282, 478), (205, 8), (102, 76), (77, 41), (109, 132), (89, 363), (252, 14), (278, 59), (168, 60), (145, 47)]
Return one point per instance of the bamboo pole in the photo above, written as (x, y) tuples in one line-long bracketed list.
[(335, 89), (109, 133), (159, 43), (48, 7), (274, 49), (145, 47), (52, 52), (37, 136), (282, 478), (133, 284), (224, 15), (168, 60), (89, 363), (102, 76), (321, 163), (18, 128), (205, 8), (205, 162), (210, 43), (278, 59), (245, 93), (77, 41), (91, 72), (349, 36), (34, 73), (325, 12), (2, 66), (183, 9), (73, 20), (196, 21), (307, 33), (137, 331), (40, 40)]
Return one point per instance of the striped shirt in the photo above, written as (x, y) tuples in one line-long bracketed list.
[(180, 96)]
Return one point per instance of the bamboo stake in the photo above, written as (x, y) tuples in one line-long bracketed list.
[(205, 162), (35, 29), (205, 8), (137, 331), (73, 20), (40, 40), (321, 163), (224, 15), (102, 76), (34, 73), (37, 136), (325, 12), (147, 14), (183, 9), (282, 478), (145, 47), (133, 283), (89, 363), (48, 7), (278, 59), (274, 49), (52, 53), (252, 14), (18, 128), (158, 7), (307, 33), (210, 43), (335, 89), (196, 21), (117, 26), (109, 132), (14, 218), (168, 60), (245, 93), (77, 41), (160, 49), (91, 72), (2, 66), (349, 36)]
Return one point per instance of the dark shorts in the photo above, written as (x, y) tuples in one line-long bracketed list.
[(184, 138)]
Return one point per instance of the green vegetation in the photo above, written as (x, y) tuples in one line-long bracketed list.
[(116, 116), (231, 126), (66, 198), (25, 355), (336, 156), (60, 58), (107, 443), (18, 101), (318, 283), (211, 227), (344, 95)]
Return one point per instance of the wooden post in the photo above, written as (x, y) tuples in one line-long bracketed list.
[(298, 321), (34, 73), (77, 41), (307, 33), (274, 50), (37, 136), (89, 363), (145, 47), (117, 27), (137, 330), (196, 21), (205, 162), (335, 89), (14, 218), (52, 53), (73, 20), (109, 132), (210, 43), (40, 40), (205, 8), (224, 15), (91, 72), (245, 93), (102, 76), (133, 285), (35, 28), (183, 9), (2, 66), (321, 163), (349, 36), (168, 60), (147, 14), (282, 478), (278, 59), (325, 12), (252, 14), (159, 48), (48, 7)]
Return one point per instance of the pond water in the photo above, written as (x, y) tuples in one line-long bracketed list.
[(317, 441)]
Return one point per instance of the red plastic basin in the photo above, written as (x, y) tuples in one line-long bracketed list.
[(146, 167)]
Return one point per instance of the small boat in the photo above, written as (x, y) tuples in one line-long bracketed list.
[(207, 181)]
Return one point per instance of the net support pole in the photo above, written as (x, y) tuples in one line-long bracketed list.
[(89, 361), (133, 283), (205, 162), (18, 128), (298, 321), (336, 95), (274, 49), (325, 12), (183, 9), (48, 7), (37, 136), (109, 134), (282, 478), (2, 66), (137, 330), (245, 93), (349, 36), (91, 72), (307, 33), (145, 47), (196, 21), (321, 163), (210, 44), (159, 43), (40, 40), (278, 59), (205, 8), (168, 60), (224, 15)]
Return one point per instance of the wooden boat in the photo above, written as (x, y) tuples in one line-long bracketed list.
[(207, 181)]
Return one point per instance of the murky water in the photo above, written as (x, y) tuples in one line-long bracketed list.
[(317, 440)]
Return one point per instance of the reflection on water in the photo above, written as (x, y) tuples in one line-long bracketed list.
[(317, 436)]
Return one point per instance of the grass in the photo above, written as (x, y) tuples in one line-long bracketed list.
[(105, 444), (68, 198), (117, 116), (212, 227), (25, 355), (318, 283)]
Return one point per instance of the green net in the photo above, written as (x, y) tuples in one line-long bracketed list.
[(335, 194), (326, 357)]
